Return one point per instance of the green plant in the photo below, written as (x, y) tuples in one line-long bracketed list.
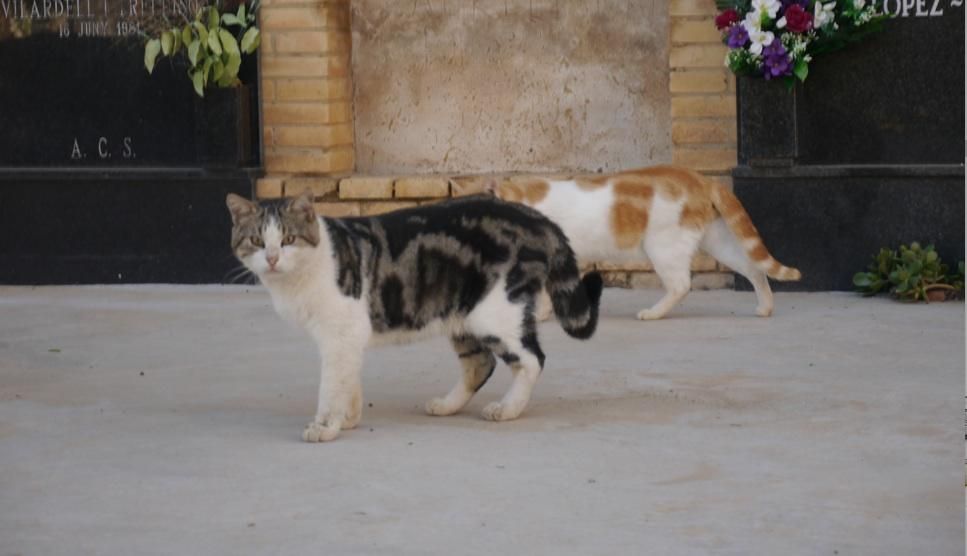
[(909, 273), (214, 51), (878, 277), (958, 279)]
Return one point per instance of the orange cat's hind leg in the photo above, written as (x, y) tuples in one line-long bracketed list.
[(720, 243)]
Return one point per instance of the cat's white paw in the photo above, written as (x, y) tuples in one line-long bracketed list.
[(496, 411), (321, 431), (649, 314), (763, 311), (440, 407)]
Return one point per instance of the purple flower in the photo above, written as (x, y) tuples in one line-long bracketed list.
[(776, 66), (775, 60), (775, 48), (738, 36)]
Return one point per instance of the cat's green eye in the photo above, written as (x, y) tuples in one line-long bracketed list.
[(256, 241), (288, 240)]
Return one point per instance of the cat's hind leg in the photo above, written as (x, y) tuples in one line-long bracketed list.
[(478, 364), (508, 330), (526, 360), (721, 243), (671, 254)]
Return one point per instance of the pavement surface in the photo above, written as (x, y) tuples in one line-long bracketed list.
[(167, 420)]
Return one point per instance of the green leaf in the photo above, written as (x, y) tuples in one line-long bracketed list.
[(198, 80), (228, 42), (193, 52), (214, 44), (151, 51), (251, 40), (207, 68), (240, 15), (862, 280), (212, 18), (166, 43), (175, 40), (801, 69), (186, 35), (230, 77), (230, 19), (202, 31), (218, 70)]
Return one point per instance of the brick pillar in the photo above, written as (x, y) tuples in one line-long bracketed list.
[(702, 90), (306, 92)]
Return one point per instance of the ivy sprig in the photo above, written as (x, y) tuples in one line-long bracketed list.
[(214, 52)]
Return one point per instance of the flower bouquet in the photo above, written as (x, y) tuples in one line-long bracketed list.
[(778, 38)]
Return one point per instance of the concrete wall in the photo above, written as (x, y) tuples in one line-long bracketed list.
[(509, 85)]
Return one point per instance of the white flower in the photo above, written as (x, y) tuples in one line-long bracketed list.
[(752, 22), (760, 39), (858, 4), (824, 14), (770, 7)]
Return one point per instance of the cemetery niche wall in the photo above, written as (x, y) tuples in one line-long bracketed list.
[(109, 174), (867, 153)]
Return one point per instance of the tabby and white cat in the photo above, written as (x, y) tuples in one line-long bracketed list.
[(664, 213), (470, 268)]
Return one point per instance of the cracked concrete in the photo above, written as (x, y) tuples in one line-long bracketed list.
[(166, 420)]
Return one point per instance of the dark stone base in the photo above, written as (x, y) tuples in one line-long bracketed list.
[(132, 226), (829, 221)]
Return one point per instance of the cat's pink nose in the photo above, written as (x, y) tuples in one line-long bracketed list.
[(272, 260)]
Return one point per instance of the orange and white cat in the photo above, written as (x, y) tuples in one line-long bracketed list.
[(664, 213)]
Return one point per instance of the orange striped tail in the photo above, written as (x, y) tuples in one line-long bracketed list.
[(737, 219)]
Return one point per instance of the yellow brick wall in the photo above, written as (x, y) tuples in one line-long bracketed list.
[(306, 89), (702, 90)]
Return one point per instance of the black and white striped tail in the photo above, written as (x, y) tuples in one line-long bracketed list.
[(575, 300)]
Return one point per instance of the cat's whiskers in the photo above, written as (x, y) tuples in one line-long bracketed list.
[(240, 275)]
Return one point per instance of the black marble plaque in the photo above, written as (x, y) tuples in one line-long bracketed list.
[(895, 98), (109, 174), (92, 227), (830, 221), (867, 153)]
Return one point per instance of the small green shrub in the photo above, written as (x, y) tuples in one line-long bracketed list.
[(909, 274)]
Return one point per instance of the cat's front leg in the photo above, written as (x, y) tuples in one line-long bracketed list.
[(340, 390)]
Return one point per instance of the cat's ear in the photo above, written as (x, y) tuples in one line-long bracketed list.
[(302, 204), (240, 207)]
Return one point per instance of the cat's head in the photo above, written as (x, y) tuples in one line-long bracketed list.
[(272, 238)]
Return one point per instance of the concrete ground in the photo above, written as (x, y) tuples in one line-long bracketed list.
[(167, 420)]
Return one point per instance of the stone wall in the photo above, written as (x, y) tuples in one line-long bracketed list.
[(510, 85)]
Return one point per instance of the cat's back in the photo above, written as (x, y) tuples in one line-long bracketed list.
[(606, 215), (462, 213)]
